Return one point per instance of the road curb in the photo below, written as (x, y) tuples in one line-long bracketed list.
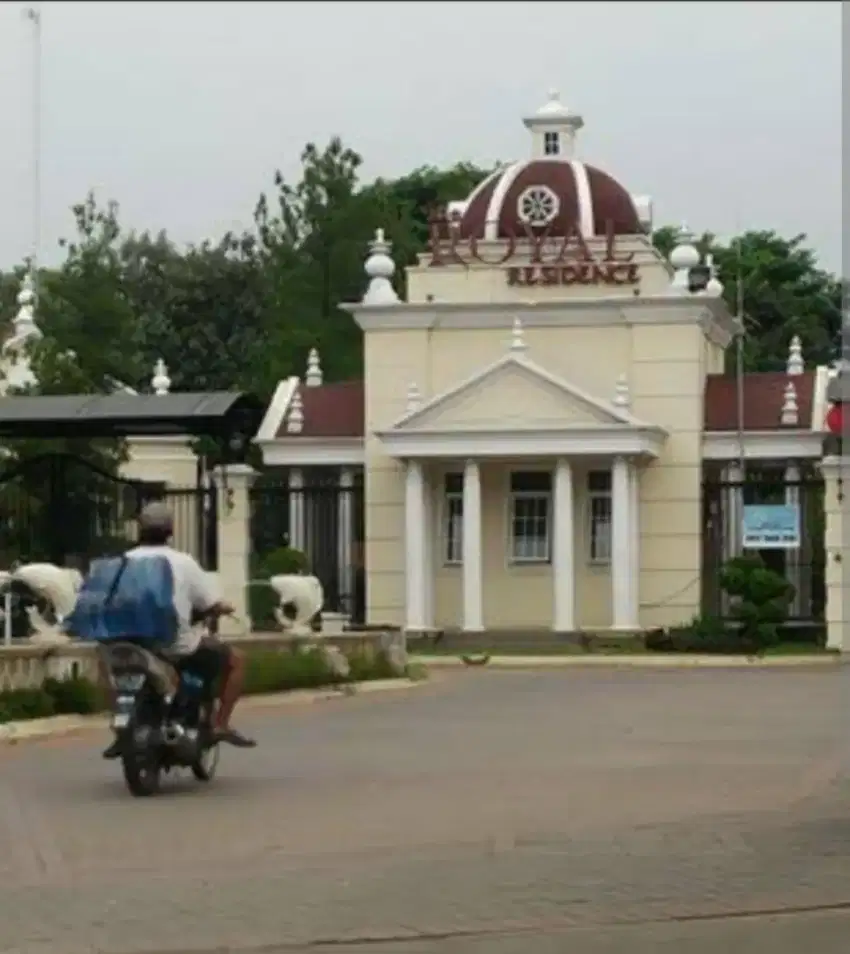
[(57, 726), (616, 660)]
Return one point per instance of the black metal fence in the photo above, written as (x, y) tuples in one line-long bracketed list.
[(323, 520), (803, 567), (65, 510)]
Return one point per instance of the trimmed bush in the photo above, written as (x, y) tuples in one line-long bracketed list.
[(74, 696), (760, 599)]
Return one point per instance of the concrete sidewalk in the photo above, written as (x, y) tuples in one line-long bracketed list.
[(625, 660)]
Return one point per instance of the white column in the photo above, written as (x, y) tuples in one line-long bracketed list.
[(430, 531), (621, 559), (563, 550), (297, 535), (634, 542), (414, 546), (345, 537), (473, 611), (793, 568), (234, 544)]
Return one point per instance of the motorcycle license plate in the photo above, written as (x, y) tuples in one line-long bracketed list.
[(123, 711)]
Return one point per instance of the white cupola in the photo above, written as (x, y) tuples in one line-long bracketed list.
[(553, 129)]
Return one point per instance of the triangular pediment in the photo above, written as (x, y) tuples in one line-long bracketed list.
[(514, 394)]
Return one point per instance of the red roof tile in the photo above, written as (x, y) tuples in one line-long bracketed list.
[(331, 410), (764, 394), (337, 410)]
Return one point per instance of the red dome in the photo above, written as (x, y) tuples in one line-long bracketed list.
[(560, 195)]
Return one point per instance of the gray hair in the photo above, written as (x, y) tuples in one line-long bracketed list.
[(155, 517)]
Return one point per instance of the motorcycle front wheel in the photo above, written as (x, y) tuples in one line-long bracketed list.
[(206, 764), (142, 768)]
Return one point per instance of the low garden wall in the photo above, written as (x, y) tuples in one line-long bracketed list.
[(28, 666)]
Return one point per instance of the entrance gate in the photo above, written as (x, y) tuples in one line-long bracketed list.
[(804, 568), (64, 509)]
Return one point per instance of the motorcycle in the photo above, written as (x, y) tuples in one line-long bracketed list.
[(162, 716)]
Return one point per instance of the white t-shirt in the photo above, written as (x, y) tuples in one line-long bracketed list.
[(192, 591)]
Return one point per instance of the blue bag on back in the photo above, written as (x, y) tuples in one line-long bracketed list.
[(126, 599)]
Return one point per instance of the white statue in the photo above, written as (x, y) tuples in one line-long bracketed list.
[(58, 585), (300, 598)]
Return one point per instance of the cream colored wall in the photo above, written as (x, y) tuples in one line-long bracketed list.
[(168, 459), (172, 461), (714, 357), (665, 365), (483, 283), (667, 385)]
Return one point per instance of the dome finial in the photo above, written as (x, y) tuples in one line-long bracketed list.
[(553, 128)]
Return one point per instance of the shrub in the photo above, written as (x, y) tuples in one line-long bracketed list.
[(19, 704), (760, 598), (703, 634), (283, 670), (74, 696), (267, 671)]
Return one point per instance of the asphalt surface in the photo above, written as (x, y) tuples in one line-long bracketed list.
[(498, 812)]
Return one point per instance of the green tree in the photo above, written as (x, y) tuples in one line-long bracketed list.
[(421, 192), (313, 238), (783, 290)]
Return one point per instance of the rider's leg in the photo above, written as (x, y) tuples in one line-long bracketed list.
[(113, 750), (222, 664), (230, 690)]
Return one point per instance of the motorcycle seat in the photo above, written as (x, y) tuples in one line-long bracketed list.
[(129, 655)]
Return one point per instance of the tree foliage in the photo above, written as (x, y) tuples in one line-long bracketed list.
[(778, 287), (244, 310)]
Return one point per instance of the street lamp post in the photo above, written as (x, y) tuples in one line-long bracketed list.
[(33, 15)]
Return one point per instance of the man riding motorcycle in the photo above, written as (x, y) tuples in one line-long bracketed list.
[(194, 596)]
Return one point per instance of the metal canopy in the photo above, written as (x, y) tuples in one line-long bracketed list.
[(198, 414)]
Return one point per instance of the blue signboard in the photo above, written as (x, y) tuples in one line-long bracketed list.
[(771, 527)]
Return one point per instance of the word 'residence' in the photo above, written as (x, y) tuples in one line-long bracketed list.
[(577, 273)]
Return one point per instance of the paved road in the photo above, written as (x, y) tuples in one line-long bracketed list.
[(485, 812)]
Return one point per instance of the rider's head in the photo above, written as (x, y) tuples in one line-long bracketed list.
[(156, 525)]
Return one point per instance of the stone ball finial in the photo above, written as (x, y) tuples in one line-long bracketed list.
[(160, 382), (295, 418), (314, 377), (790, 413), (795, 365), (414, 398), (518, 343), (380, 269), (622, 397)]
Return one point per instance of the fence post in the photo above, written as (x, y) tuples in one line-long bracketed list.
[(234, 542), (836, 471)]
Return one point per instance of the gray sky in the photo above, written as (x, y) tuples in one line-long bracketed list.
[(728, 114)]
